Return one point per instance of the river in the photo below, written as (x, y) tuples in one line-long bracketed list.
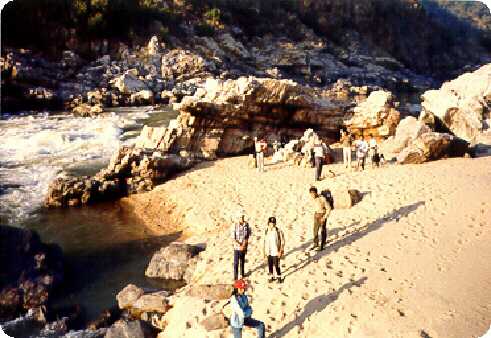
[(105, 247)]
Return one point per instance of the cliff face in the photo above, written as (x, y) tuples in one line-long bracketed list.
[(428, 37)]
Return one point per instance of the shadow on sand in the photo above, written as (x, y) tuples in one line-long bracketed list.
[(317, 304), (353, 234)]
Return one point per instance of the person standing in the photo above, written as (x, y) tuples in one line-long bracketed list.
[(240, 235), (361, 153), (242, 312), (322, 209), (261, 146), (346, 143), (318, 159), (273, 249), (372, 151)]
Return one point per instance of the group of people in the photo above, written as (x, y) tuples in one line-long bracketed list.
[(273, 251), (366, 151)]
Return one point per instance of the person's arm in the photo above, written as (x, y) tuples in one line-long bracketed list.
[(237, 311)]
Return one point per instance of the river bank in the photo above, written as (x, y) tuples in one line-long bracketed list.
[(409, 260)]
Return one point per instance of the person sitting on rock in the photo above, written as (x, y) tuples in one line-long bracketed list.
[(322, 209), (240, 234), (242, 312), (273, 249)]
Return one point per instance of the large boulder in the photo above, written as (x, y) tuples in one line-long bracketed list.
[(462, 105), (128, 296), (409, 129), (376, 115), (429, 146), (171, 261)]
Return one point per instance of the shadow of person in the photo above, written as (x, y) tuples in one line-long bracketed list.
[(317, 304), (353, 235)]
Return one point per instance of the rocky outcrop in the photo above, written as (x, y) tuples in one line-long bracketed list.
[(30, 272), (171, 262), (415, 142), (150, 307), (429, 146), (130, 170), (462, 105), (376, 116)]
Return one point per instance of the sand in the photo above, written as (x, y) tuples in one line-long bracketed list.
[(412, 259)]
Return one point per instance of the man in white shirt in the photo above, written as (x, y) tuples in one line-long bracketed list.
[(372, 149), (318, 158), (260, 146), (361, 152)]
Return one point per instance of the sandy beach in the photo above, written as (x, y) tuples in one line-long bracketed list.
[(410, 260)]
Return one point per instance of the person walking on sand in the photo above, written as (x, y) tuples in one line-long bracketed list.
[(242, 312), (240, 235), (318, 159), (260, 146), (346, 143), (273, 249), (361, 153), (322, 209)]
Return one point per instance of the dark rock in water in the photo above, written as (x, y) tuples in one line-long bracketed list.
[(133, 329), (100, 333), (30, 271), (105, 319)]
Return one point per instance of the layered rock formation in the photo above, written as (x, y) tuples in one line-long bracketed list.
[(463, 105), (173, 262), (375, 116)]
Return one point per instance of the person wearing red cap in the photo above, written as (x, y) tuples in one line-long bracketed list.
[(242, 312)]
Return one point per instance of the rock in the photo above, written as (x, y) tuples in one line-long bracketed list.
[(128, 296), (132, 329), (408, 130), (27, 281), (153, 46), (128, 83), (171, 262), (376, 115), (211, 291), (40, 93), (86, 110), (153, 302), (99, 333), (429, 146), (345, 199), (462, 105), (216, 321), (142, 97), (233, 46)]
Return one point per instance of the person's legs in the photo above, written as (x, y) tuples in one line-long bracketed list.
[(236, 264), (262, 162), (317, 162), (270, 265), (257, 324), (345, 158), (237, 332), (323, 234), (276, 261), (258, 161), (348, 150), (242, 263), (316, 230)]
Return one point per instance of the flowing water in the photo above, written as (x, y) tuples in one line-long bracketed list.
[(105, 247)]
